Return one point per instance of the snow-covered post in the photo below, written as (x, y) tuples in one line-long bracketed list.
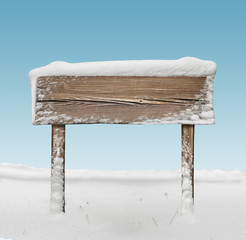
[(187, 169), (57, 194)]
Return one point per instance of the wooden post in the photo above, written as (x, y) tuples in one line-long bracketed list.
[(187, 170), (57, 194)]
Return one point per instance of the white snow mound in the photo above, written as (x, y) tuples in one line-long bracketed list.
[(187, 66), (122, 205)]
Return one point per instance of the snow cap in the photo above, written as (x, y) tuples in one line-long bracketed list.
[(187, 66)]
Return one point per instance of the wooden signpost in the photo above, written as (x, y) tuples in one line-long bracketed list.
[(61, 100)]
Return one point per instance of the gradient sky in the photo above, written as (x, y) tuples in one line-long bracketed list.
[(35, 33)]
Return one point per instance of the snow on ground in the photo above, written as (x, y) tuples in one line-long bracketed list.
[(122, 205)]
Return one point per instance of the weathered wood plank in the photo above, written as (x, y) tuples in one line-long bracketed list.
[(138, 100), (57, 196), (93, 112), (62, 88), (187, 170)]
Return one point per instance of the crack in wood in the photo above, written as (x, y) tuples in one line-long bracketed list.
[(188, 99), (120, 101)]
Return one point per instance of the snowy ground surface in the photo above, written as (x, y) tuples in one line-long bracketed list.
[(121, 205)]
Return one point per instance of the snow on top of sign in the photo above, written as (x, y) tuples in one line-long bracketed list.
[(187, 66)]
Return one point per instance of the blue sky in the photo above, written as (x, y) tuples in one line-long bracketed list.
[(35, 33)]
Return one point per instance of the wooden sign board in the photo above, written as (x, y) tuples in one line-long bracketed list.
[(123, 100), (177, 92)]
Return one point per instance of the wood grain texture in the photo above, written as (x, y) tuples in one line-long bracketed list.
[(187, 169), (57, 197), (77, 100)]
